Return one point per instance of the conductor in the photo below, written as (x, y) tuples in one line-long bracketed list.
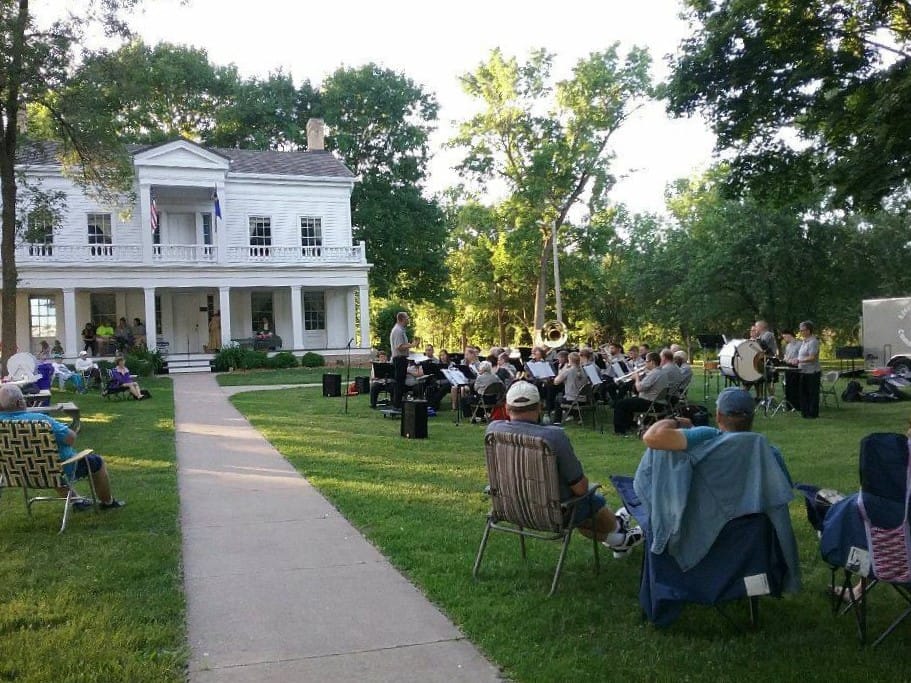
[(399, 346)]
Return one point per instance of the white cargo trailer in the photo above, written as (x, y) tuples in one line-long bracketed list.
[(887, 333)]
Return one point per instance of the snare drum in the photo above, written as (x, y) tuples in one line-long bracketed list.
[(742, 359)]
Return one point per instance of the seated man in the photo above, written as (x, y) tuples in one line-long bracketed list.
[(523, 403), (64, 374), (12, 407), (649, 387), (694, 480), (88, 367)]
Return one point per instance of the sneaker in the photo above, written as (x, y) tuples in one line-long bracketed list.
[(81, 504), (633, 538), (624, 518), (113, 504)]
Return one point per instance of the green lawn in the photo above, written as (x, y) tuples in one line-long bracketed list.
[(420, 502), (103, 601), (289, 376)]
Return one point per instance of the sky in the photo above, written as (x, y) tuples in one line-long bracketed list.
[(434, 43)]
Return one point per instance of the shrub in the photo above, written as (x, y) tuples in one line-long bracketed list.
[(143, 362), (283, 359), (312, 360), (254, 359), (228, 358)]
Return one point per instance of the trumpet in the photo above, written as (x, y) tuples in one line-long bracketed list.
[(639, 372)]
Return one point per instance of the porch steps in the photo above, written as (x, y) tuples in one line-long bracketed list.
[(187, 362)]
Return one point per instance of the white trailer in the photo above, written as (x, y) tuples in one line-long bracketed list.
[(887, 333)]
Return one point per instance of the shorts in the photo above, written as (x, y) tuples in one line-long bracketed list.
[(588, 508), (92, 460)]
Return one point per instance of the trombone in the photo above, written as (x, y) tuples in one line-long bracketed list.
[(638, 372)]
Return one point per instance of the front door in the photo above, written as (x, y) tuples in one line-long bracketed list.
[(191, 322)]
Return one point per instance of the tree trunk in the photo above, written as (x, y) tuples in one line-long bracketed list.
[(541, 291)]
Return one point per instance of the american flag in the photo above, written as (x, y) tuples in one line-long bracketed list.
[(153, 212), (217, 205)]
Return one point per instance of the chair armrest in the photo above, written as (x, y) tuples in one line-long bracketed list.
[(592, 488), (79, 456)]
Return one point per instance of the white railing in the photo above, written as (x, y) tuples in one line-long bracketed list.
[(78, 253), (184, 253), (296, 254)]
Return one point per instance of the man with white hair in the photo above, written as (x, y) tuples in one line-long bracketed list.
[(594, 518), (88, 367), (12, 407)]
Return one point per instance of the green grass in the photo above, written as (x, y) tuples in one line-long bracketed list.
[(103, 601), (420, 502), (286, 376)]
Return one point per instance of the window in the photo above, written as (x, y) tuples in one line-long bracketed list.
[(260, 235), (311, 236), (207, 228), (104, 309), (99, 225), (261, 308), (314, 311), (42, 317), (40, 234)]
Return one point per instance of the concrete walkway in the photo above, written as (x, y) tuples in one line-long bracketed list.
[(279, 586)]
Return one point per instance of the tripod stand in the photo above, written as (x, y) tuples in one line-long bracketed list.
[(348, 371)]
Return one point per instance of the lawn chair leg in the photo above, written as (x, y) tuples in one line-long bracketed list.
[(66, 509), (477, 561), (892, 627), (754, 611), (566, 539), (522, 543)]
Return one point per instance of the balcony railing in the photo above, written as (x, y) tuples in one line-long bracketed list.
[(186, 253)]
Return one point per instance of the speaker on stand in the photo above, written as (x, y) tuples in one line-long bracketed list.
[(332, 385), (414, 419)]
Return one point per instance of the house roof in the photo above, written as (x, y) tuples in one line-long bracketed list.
[(318, 163)]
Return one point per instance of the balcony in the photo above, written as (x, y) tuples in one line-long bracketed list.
[(204, 254)]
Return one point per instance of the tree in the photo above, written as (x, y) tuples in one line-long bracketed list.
[(379, 123), (549, 142), (805, 93), (35, 63)]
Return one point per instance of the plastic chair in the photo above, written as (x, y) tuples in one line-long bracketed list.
[(30, 459), (827, 387), (657, 409), (583, 403), (524, 490)]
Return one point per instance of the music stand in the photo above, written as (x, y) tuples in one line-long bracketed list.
[(540, 369), (710, 341), (466, 372), (383, 371), (594, 376), (457, 379)]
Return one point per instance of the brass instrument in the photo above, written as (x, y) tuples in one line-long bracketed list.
[(552, 335), (631, 375)]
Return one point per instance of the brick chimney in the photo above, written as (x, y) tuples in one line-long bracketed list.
[(315, 135)]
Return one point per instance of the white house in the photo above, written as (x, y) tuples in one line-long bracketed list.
[(281, 251)]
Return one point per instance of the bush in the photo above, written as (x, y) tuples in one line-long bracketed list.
[(228, 358), (143, 362), (283, 359), (312, 360)]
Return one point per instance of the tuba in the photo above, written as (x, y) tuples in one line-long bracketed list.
[(552, 335)]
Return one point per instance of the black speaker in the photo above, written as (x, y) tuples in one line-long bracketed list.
[(332, 385), (414, 419), (362, 384)]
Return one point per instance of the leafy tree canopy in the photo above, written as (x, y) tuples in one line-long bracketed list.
[(808, 92)]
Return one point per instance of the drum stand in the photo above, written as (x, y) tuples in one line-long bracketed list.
[(770, 403)]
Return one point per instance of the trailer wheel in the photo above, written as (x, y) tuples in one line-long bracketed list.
[(901, 367)]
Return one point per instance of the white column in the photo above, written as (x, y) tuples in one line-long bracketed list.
[(297, 318), (71, 336), (351, 313), (221, 234), (365, 316), (151, 338), (145, 222), (224, 307)]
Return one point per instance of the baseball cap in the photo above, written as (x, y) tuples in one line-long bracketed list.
[(734, 401), (522, 395), (83, 353)]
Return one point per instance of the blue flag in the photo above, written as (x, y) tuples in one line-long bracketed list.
[(217, 205)]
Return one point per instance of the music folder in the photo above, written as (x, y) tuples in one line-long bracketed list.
[(620, 368), (540, 369), (456, 377), (591, 370), (383, 371), (467, 371)]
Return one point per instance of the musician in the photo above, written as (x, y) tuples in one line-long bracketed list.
[(428, 351), (506, 371), (810, 371), (444, 359), (686, 371), (672, 371), (562, 360), (571, 378), (635, 360), (766, 339), (472, 363), (648, 386), (486, 378), (791, 377), (545, 386), (400, 348)]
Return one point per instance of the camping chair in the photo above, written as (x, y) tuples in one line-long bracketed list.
[(827, 387), (113, 389), (867, 534), (482, 405), (584, 402), (745, 561), (30, 459), (524, 490)]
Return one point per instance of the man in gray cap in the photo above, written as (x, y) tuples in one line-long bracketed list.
[(523, 403)]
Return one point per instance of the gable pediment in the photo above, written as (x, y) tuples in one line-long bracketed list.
[(181, 154)]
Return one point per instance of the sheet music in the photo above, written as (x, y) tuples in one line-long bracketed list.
[(541, 369), (455, 377), (593, 375), (417, 357), (620, 368)]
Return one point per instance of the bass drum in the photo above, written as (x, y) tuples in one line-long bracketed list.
[(742, 359)]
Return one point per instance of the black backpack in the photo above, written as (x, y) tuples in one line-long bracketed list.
[(853, 392)]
